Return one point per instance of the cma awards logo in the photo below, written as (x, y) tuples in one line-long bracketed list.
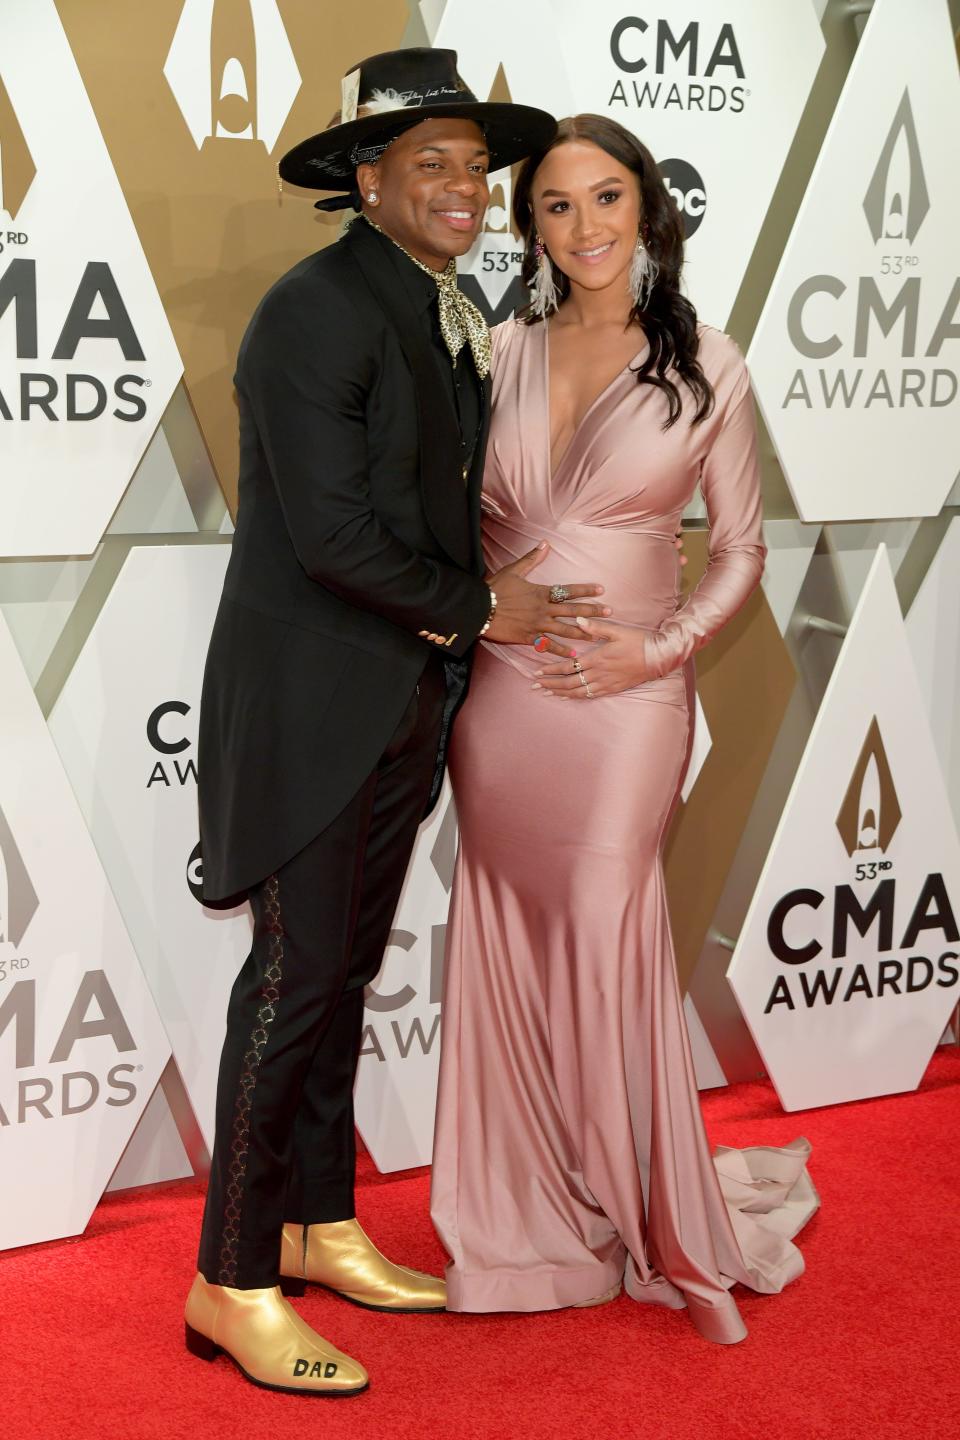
[(89, 1011), (232, 71), (870, 813), (96, 312), (668, 65), (887, 964), (174, 769), (896, 202), (828, 313)]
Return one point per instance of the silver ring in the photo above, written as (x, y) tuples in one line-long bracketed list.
[(577, 667), (589, 691), (558, 594), (583, 680)]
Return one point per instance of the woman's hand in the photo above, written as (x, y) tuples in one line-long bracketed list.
[(619, 662)]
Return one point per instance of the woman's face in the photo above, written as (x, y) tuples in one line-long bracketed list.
[(586, 206)]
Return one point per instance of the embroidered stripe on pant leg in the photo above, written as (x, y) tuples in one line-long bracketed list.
[(240, 1130)]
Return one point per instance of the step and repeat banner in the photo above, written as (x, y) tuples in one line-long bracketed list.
[(139, 225)]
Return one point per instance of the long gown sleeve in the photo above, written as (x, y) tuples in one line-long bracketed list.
[(730, 481)]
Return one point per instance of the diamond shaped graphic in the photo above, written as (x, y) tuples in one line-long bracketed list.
[(870, 812), (18, 899), (222, 234), (232, 70), (16, 163), (81, 1043), (844, 968), (897, 201)]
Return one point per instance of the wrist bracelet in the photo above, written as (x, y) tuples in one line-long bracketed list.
[(493, 611)]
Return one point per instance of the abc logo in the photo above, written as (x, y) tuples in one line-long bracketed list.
[(195, 873), (688, 190)]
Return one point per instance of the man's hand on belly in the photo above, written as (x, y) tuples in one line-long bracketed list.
[(525, 613)]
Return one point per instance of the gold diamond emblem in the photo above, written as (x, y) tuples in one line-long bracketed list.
[(870, 812), (16, 163)]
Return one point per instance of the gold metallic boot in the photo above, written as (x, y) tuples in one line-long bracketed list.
[(342, 1258), (267, 1340)]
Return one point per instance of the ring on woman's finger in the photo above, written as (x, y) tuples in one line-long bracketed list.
[(577, 667), (558, 594), (540, 643), (582, 678), (589, 691)]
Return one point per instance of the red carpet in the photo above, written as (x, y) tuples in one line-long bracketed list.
[(864, 1345)]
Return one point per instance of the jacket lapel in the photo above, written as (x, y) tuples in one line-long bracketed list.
[(441, 485)]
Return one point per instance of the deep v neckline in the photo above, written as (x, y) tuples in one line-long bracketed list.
[(554, 470)]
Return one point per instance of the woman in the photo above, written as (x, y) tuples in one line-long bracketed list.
[(570, 1151)]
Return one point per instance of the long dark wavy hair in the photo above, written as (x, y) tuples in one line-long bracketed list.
[(668, 319)]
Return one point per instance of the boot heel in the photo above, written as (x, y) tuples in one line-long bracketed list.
[(293, 1287), (199, 1345)]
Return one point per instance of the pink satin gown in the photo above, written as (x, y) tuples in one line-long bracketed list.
[(570, 1149)]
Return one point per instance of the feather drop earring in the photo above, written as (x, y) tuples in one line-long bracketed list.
[(643, 274), (544, 297)]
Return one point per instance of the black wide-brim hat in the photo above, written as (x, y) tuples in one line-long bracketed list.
[(389, 93)]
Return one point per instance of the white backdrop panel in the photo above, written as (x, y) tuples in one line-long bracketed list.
[(126, 727), (854, 359), (715, 95), (847, 968), (81, 1043), (933, 629)]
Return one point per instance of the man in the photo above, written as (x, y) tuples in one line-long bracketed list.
[(354, 593)]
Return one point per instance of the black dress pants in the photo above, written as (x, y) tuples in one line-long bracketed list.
[(285, 1147)]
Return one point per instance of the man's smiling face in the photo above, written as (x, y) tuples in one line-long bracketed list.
[(432, 189)]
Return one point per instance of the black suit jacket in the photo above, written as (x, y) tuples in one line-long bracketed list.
[(355, 530)]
